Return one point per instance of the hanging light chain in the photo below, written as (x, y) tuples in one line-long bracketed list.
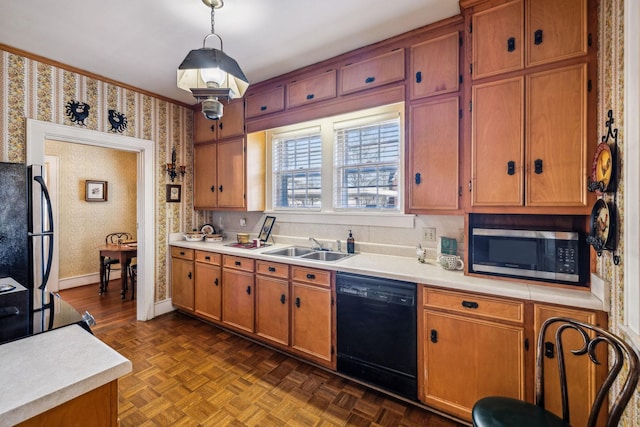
[(213, 20)]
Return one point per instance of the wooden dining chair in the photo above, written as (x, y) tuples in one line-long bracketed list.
[(112, 263), (133, 275), (504, 411)]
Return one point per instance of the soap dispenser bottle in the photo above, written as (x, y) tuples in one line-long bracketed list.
[(351, 244)]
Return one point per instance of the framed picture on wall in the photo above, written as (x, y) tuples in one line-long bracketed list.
[(174, 193), (95, 191)]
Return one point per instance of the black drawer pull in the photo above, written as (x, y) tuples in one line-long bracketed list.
[(298, 302), (263, 108), (311, 96), (511, 44), (248, 290), (434, 336), (419, 77), (311, 276), (549, 349), (537, 37), (418, 178), (370, 80), (238, 263), (511, 167), (207, 257), (537, 166), (283, 299), (272, 269), (469, 304), (182, 253)]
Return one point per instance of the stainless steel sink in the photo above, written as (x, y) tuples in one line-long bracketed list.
[(326, 256), (308, 253)]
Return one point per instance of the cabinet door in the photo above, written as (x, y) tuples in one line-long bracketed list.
[(434, 155), (208, 294), (373, 72), (498, 40), (272, 309), (237, 299), (497, 143), (556, 138), (267, 102), (232, 121), (231, 174), (491, 354), (313, 89), (581, 373), (435, 66), (182, 294), (205, 160), (556, 30), (204, 130), (311, 320)]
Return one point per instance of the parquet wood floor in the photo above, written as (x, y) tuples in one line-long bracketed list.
[(189, 373)]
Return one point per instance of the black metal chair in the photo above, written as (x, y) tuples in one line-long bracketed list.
[(133, 275), (504, 411), (112, 263)]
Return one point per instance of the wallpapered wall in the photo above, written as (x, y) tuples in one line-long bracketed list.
[(33, 89), (611, 96), (82, 225)]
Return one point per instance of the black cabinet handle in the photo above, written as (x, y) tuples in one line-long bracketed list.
[(311, 96), (181, 253), (370, 80), (263, 108), (469, 304), (272, 269), (434, 336), (189, 275), (549, 349), (298, 302), (537, 166), (207, 257), (238, 263), (311, 276), (216, 282), (213, 128), (537, 37), (511, 167), (283, 299), (419, 77), (220, 125), (418, 178), (248, 290), (220, 189), (213, 188), (511, 44)]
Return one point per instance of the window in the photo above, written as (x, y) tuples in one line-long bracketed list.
[(347, 163)]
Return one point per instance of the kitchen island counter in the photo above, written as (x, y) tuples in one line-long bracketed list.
[(44, 371)]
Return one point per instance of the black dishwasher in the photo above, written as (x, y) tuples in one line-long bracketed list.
[(376, 332)]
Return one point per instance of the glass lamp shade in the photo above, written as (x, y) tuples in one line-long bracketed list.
[(199, 63)]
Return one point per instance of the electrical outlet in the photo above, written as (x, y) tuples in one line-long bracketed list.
[(429, 234), (243, 222), (461, 236)]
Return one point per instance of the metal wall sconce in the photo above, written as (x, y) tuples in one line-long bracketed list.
[(173, 169)]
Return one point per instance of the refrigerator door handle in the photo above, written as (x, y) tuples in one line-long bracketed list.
[(45, 191)]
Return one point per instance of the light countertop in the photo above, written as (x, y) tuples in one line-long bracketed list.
[(409, 269), (45, 370)]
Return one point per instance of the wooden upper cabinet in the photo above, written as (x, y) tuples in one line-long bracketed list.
[(556, 137), (498, 40), (230, 124), (435, 66), (556, 30), (231, 177), (433, 157), (205, 176), (497, 143), (266, 102), (374, 72), (312, 89)]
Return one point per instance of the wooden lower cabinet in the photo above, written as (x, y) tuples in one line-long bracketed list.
[(273, 302), (583, 377), (208, 285), (98, 408), (238, 299), (182, 287)]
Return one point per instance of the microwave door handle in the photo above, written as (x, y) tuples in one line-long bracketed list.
[(49, 233)]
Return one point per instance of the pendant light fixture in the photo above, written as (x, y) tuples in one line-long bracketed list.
[(210, 74)]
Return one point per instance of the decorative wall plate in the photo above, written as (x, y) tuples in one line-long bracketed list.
[(603, 227), (602, 169)]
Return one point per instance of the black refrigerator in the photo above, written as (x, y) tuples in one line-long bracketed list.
[(26, 246)]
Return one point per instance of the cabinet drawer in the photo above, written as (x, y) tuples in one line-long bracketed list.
[(208, 257), (181, 253), (311, 275), (266, 102), (312, 89), (373, 72), (238, 263), (476, 305), (273, 269)]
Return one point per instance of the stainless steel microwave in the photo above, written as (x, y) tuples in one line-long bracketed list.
[(550, 256)]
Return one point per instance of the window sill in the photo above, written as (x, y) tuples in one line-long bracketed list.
[(394, 220)]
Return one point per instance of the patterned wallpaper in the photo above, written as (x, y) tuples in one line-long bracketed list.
[(83, 225), (34, 89)]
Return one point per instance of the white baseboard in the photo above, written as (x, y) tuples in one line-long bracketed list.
[(87, 279), (163, 307)]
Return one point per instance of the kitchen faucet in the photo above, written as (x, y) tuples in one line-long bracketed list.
[(318, 244)]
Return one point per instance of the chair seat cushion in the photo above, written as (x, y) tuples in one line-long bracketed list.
[(110, 261), (504, 411)]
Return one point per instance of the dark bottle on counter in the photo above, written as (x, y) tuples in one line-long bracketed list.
[(351, 244)]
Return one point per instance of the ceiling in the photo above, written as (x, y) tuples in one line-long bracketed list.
[(142, 42)]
